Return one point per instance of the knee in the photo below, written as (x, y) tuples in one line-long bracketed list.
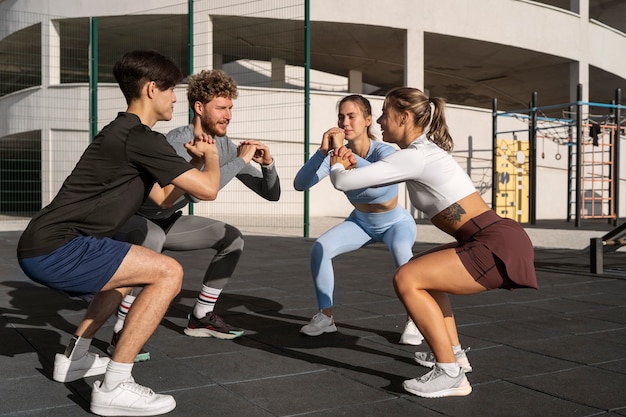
[(172, 275), (233, 239), (318, 250), (403, 281), (401, 253), (155, 240)]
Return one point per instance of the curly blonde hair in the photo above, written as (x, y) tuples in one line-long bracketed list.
[(208, 84)]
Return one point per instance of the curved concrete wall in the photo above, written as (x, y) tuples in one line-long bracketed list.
[(522, 24), (518, 23)]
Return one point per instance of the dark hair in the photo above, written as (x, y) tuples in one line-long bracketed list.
[(134, 69), (417, 103), (364, 105), (206, 85)]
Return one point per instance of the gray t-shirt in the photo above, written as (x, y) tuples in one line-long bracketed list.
[(264, 182)]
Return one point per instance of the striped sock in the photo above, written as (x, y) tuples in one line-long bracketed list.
[(122, 311), (206, 301)]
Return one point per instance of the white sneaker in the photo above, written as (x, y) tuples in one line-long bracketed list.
[(66, 370), (428, 360), (411, 335), (437, 383), (129, 399), (320, 323)]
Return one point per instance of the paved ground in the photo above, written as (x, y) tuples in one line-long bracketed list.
[(557, 351)]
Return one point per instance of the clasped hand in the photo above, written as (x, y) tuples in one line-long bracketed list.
[(333, 138), (343, 156), (199, 146), (253, 150)]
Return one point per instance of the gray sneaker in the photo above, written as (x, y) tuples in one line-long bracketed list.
[(428, 360), (437, 383), (320, 323)]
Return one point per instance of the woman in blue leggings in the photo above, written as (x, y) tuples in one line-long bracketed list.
[(376, 217)]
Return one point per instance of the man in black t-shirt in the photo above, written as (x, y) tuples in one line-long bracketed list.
[(68, 246)]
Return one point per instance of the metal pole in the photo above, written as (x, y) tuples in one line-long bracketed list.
[(569, 171), (93, 77), (307, 102), (470, 155), (532, 161), (616, 153), (579, 149), (190, 63), (190, 42), (494, 155)]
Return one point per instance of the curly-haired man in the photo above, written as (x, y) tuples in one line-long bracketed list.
[(210, 94)]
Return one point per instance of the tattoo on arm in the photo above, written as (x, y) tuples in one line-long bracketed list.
[(453, 213)]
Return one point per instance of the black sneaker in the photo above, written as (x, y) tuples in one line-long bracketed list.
[(211, 325), (142, 356)]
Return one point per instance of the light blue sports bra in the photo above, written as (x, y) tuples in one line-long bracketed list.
[(318, 167)]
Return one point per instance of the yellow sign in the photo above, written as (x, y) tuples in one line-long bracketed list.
[(512, 187)]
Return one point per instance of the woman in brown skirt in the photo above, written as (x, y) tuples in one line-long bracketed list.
[(490, 252)]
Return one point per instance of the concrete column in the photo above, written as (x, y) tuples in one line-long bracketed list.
[(579, 71), (355, 82), (50, 75), (218, 61), (202, 37), (413, 77), (278, 73), (414, 58), (578, 74), (50, 53)]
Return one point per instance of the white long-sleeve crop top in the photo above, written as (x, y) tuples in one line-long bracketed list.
[(434, 180)]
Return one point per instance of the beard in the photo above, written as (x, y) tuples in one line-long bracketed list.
[(213, 128)]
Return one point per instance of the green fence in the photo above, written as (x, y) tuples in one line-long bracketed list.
[(57, 91)]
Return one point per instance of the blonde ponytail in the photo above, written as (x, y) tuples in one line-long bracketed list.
[(428, 113)]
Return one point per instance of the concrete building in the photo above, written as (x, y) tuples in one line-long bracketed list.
[(468, 51)]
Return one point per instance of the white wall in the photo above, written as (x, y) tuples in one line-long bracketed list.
[(275, 116)]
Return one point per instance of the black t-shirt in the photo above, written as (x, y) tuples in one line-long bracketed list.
[(109, 183)]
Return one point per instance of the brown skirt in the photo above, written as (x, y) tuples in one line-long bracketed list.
[(497, 252)]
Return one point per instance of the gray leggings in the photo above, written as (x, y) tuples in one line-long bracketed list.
[(190, 233)]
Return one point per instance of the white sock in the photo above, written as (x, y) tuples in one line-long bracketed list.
[(457, 348), (452, 369), (77, 347), (122, 311), (205, 303), (116, 373)]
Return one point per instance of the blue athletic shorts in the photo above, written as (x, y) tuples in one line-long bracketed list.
[(81, 267)]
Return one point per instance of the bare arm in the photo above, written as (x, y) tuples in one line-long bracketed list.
[(204, 185), (166, 196)]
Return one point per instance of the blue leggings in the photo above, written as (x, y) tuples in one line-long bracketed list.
[(396, 228)]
